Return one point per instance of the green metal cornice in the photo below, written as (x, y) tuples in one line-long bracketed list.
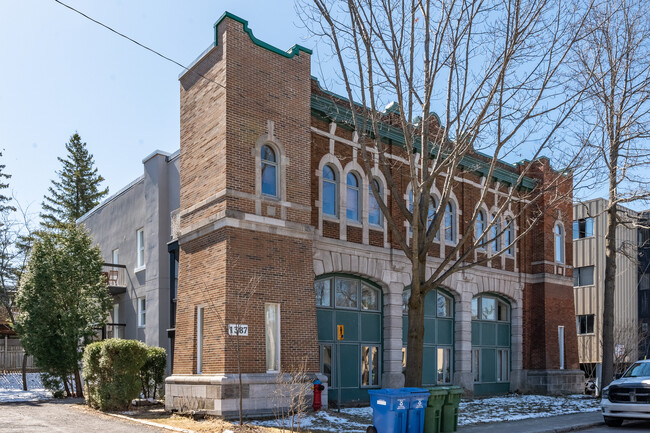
[(325, 107), (293, 51)]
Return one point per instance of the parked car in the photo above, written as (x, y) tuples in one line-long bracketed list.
[(629, 396)]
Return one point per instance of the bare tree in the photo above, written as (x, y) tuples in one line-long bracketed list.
[(495, 72), (15, 242), (612, 63)]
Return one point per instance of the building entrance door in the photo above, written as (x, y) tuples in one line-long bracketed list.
[(350, 336)]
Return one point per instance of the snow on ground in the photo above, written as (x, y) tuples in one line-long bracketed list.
[(504, 408), (11, 388)]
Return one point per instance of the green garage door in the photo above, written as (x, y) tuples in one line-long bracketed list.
[(348, 311), (438, 344), (490, 345)]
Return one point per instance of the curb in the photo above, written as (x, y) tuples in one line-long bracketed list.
[(150, 423), (577, 427)]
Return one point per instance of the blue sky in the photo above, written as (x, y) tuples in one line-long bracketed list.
[(62, 73)]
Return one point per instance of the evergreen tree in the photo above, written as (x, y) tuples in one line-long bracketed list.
[(4, 184), (78, 189), (62, 297)]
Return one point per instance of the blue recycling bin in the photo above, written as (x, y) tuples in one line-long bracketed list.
[(389, 410), (418, 398)]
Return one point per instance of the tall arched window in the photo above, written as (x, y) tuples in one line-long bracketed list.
[(509, 236), (450, 223), (495, 234), (480, 226), (558, 232), (269, 171), (329, 191), (431, 214), (353, 208), (374, 212)]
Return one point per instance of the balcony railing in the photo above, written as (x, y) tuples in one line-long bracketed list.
[(115, 277), (111, 330)]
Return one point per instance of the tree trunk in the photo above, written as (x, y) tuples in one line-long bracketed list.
[(66, 387), (24, 371), (608, 298), (415, 336), (77, 382)]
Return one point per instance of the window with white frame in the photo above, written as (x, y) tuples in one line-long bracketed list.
[(509, 235), (330, 197), (374, 211), (269, 167), (431, 214), (450, 223), (480, 227), (142, 312), (558, 232), (503, 365), (583, 276), (139, 236), (199, 339), (272, 326), (583, 228), (495, 234), (115, 256), (585, 324), (353, 211)]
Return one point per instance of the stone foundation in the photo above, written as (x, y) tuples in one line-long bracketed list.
[(554, 382), (219, 394)]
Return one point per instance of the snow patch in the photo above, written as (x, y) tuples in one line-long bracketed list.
[(481, 410), (11, 388)]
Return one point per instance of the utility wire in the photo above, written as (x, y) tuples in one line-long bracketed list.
[(138, 43)]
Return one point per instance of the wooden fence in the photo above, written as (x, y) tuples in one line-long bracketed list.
[(11, 356)]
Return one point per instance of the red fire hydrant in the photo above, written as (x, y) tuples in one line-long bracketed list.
[(318, 389)]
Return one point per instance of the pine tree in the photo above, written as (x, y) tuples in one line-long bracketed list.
[(4, 200), (77, 190)]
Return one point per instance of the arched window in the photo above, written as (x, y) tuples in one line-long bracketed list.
[(450, 223), (431, 214), (509, 236), (353, 208), (329, 191), (558, 232), (480, 226), (269, 171), (495, 234), (374, 212)]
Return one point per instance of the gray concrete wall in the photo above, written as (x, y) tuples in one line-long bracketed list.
[(145, 203)]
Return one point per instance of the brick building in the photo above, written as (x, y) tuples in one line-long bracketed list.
[(277, 232)]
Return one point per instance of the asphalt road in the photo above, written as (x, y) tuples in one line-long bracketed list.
[(627, 427), (62, 417)]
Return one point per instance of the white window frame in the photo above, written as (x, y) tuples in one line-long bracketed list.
[(200, 312), (559, 237), (335, 183), (115, 256), (139, 252), (273, 339), (358, 189), (276, 165), (142, 312)]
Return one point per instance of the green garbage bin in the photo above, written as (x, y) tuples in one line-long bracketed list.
[(433, 412), (449, 421)]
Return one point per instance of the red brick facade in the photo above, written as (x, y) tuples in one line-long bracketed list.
[(243, 94)]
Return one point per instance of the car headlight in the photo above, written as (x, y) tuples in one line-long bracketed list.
[(606, 393)]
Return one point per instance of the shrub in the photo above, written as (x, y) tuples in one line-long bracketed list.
[(53, 384), (152, 373), (112, 372)]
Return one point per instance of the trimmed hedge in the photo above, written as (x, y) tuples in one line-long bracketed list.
[(112, 372), (152, 373)]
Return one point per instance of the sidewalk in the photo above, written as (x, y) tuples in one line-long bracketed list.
[(552, 424)]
